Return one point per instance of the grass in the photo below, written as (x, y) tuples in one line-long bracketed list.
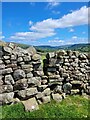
[(43, 57), (71, 107)]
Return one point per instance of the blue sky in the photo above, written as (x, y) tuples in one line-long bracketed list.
[(45, 23)]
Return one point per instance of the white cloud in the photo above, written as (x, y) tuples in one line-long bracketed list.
[(56, 41), (46, 28), (71, 30), (52, 3), (77, 40), (78, 17), (74, 37), (31, 35)]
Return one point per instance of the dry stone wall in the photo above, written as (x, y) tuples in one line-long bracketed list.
[(69, 70), (22, 76)]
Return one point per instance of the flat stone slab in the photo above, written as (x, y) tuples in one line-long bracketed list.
[(30, 104)]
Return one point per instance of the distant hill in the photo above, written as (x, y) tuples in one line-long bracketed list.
[(76, 47)]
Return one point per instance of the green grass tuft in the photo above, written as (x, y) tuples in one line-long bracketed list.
[(71, 107)]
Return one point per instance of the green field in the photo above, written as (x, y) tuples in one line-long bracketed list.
[(71, 107)]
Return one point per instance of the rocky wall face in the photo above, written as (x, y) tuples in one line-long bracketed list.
[(22, 76), (69, 70), (20, 73)]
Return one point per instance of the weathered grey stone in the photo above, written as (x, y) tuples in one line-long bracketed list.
[(25, 66), (38, 67), (44, 77), (65, 75), (76, 60), (21, 84), (20, 59), (39, 101), (76, 53), (44, 81), (57, 97), (58, 89), (15, 101), (88, 90), (7, 49), (74, 64), (20, 54), (83, 70), (13, 57), (67, 64), (19, 74), (61, 53), (27, 58), (31, 50), (29, 75), (82, 56), (12, 65), (69, 53), (53, 80), (6, 88), (9, 80), (82, 65), (38, 73), (6, 98), (2, 66), (39, 95), (46, 99), (42, 87), (6, 57), (50, 55), (55, 83), (13, 62), (30, 104), (1, 53), (1, 62), (67, 87), (73, 57), (19, 51), (51, 69), (66, 60), (70, 60), (7, 61), (46, 92), (50, 73), (28, 70), (34, 81), (23, 94), (53, 62), (36, 62), (76, 82), (1, 82), (11, 45), (21, 63), (36, 57), (6, 71), (74, 91)]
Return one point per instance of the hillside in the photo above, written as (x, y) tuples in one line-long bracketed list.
[(76, 47), (45, 48)]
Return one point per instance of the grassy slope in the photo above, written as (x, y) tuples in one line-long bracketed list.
[(71, 107)]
